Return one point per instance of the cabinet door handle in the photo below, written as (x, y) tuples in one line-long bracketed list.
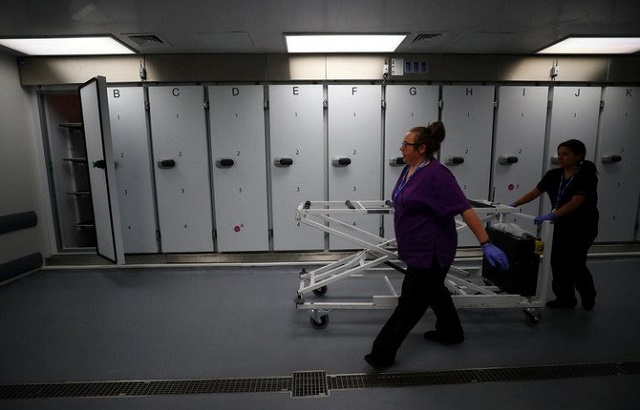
[(396, 161), (225, 163), (611, 159), (282, 162), (454, 161), (166, 163), (507, 159), (341, 161)]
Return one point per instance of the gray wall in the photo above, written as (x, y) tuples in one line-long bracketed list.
[(302, 67), (19, 189)]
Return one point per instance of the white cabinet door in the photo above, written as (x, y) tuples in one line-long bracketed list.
[(102, 176), (574, 115), (181, 163), (238, 150), (133, 169), (406, 106), (618, 165), (355, 145), (467, 115), (519, 145), (297, 162)]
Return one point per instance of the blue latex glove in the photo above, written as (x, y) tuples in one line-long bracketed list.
[(513, 205), (494, 256), (541, 218)]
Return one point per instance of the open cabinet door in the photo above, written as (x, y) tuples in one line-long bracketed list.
[(102, 175)]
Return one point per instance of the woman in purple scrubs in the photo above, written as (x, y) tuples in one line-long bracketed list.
[(427, 198)]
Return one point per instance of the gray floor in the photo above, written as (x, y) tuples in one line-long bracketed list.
[(223, 322)]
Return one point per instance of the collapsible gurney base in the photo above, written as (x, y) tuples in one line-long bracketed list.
[(380, 251)]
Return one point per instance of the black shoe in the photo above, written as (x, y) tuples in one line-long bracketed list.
[(560, 304), (440, 337), (377, 363)]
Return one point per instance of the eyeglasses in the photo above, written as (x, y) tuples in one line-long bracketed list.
[(404, 144)]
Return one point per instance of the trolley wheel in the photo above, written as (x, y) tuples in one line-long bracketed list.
[(320, 291), (324, 321), (532, 318)]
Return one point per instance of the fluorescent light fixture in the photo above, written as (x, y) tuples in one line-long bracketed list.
[(343, 43), (66, 46), (594, 45)]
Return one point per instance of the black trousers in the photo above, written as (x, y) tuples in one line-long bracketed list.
[(569, 263), (421, 289)]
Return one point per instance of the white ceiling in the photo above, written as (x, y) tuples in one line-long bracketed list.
[(257, 26)]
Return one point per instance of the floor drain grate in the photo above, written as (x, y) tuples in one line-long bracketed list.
[(505, 374), (361, 381), (310, 384), (144, 388)]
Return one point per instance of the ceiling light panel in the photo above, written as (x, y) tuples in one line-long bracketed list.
[(343, 43), (61, 46), (594, 45)]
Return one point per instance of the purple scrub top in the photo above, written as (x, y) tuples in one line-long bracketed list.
[(424, 216)]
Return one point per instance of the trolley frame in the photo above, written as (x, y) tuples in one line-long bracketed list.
[(377, 251)]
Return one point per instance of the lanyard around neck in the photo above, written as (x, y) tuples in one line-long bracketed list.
[(563, 187), (404, 179)]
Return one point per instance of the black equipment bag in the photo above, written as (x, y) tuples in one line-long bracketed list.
[(522, 276)]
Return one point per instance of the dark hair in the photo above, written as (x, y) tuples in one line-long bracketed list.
[(431, 136), (578, 148)]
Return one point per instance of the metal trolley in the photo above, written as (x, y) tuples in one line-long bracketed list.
[(377, 251)]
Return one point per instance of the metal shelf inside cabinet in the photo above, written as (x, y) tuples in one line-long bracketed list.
[(85, 225), (75, 160), (72, 125)]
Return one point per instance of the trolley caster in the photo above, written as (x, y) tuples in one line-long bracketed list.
[(298, 300), (531, 317), (321, 323), (320, 291)]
